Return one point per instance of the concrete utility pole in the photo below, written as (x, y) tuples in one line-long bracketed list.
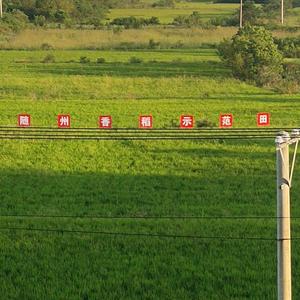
[(241, 14), (284, 273), (1, 9), (284, 183), (282, 12)]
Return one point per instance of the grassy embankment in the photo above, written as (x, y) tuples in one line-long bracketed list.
[(127, 39)]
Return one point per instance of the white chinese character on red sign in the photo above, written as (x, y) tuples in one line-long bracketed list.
[(186, 122), (24, 120), (263, 119), (105, 122), (146, 122), (226, 120), (64, 121)]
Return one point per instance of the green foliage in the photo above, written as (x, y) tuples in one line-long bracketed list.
[(194, 19), (49, 58), (84, 60), (40, 21), (46, 46), (133, 22), (253, 55), (251, 13), (15, 21), (101, 60), (153, 44), (43, 11), (135, 60), (290, 47), (164, 3), (272, 7)]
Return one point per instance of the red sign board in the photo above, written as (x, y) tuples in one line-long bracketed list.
[(146, 122), (226, 121), (105, 122), (263, 119), (64, 121), (24, 120), (187, 122)]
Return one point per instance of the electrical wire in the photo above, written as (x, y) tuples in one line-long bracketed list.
[(138, 234), (37, 216)]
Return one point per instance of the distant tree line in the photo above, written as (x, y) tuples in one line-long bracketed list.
[(65, 11)]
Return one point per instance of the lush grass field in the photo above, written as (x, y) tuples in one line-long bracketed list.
[(167, 15), (207, 10), (223, 178)]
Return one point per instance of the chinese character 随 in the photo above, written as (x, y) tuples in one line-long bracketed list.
[(24, 120)]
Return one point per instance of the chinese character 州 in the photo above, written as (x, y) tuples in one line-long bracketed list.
[(186, 122), (226, 121), (64, 121), (105, 122), (24, 120), (146, 122), (263, 119)]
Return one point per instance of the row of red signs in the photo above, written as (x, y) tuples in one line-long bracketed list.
[(146, 121)]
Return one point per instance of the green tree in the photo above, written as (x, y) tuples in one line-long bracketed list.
[(272, 7), (253, 55), (251, 12)]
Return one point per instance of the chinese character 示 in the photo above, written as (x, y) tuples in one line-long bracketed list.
[(186, 122), (64, 121), (263, 119), (105, 122), (24, 120), (146, 122), (226, 121)]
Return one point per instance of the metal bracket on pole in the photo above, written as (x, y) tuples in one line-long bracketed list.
[(296, 136)]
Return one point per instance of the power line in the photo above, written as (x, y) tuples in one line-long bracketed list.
[(132, 138), (138, 234), (269, 129), (41, 216), (51, 133)]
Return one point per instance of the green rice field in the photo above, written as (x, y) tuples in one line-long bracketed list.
[(53, 242)]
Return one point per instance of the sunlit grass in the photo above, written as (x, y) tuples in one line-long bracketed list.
[(146, 178)]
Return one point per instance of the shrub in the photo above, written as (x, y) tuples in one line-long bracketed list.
[(84, 60), (153, 44), (205, 123), (40, 21), (49, 58), (193, 20), (291, 79), (46, 46), (289, 46), (135, 60), (101, 60), (117, 29), (133, 22), (164, 3), (253, 55), (15, 21)]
